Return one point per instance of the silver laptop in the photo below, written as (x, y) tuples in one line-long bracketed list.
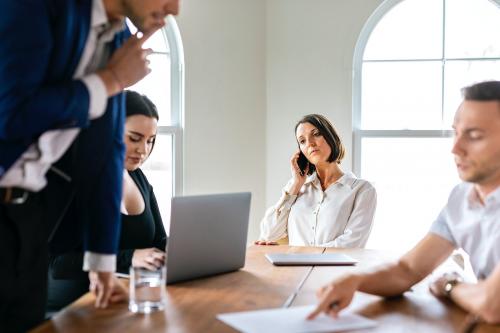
[(310, 259), (208, 235)]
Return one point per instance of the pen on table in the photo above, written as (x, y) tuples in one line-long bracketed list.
[(122, 276), (159, 52)]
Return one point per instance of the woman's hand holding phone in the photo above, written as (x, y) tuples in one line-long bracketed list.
[(299, 175)]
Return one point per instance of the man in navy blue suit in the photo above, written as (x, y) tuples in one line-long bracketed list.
[(63, 66)]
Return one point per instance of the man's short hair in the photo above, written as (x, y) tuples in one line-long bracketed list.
[(482, 91)]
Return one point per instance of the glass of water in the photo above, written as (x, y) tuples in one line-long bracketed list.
[(147, 289)]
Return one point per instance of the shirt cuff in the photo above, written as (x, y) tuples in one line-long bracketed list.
[(99, 262), (98, 95)]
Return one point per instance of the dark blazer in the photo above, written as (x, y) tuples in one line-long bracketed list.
[(42, 43)]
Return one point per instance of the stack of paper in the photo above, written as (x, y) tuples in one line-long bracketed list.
[(293, 320)]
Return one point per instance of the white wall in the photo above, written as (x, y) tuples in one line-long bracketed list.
[(253, 68), (224, 47), (310, 46)]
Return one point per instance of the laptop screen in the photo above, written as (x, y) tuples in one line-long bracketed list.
[(208, 235)]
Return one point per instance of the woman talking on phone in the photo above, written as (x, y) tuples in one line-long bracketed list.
[(321, 205)]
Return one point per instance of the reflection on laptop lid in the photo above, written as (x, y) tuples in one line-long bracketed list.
[(208, 235)]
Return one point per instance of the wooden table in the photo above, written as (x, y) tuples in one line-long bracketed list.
[(192, 306)]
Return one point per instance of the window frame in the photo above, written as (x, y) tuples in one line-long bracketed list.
[(172, 37), (358, 133)]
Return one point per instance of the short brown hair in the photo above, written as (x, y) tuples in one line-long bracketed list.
[(327, 130), (482, 91)]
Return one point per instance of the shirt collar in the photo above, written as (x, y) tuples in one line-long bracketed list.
[(475, 201), (347, 179), (100, 22), (494, 196), (99, 16)]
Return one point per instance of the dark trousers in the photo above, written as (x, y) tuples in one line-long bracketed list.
[(23, 264), (62, 292)]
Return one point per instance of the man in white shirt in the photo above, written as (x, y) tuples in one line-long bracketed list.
[(470, 220), (63, 66)]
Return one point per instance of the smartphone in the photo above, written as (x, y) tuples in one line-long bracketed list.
[(303, 163)]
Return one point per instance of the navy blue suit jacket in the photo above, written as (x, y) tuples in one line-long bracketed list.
[(42, 43)]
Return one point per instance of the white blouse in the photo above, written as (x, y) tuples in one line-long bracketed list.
[(340, 216)]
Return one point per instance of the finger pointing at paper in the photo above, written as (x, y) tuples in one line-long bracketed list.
[(335, 296)]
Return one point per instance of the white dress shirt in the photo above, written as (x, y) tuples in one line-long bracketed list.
[(472, 226), (340, 216), (28, 172)]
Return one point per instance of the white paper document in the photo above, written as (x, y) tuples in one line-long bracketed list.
[(287, 320)]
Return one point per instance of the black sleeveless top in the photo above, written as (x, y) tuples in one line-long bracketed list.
[(67, 281), (141, 231)]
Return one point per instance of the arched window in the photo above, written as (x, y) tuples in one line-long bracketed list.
[(165, 87), (411, 60)]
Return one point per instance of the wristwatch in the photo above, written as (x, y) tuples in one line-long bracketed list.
[(451, 281)]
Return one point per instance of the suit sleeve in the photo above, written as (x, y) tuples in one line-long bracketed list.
[(67, 265), (102, 200), (29, 103)]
